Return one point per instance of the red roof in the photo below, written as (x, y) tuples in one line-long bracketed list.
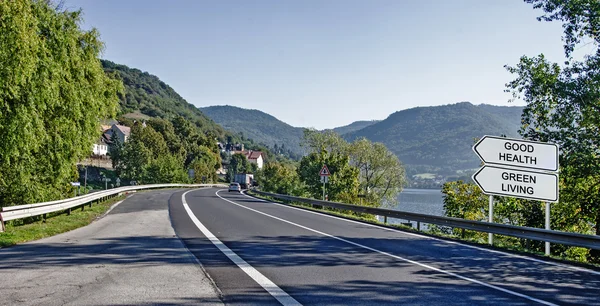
[(254, 154)]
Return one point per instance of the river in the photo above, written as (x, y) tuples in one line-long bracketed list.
[(423, 201)]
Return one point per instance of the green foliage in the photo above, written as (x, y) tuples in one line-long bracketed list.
[(279, 178), (354, 126), (382, 176), (438, 139), (238, 164), (260, 127), (165, 168), (563, 106), (149, 95), (343, 182), (53, 93)]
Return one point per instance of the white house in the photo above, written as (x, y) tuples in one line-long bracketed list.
[(255, 157), (100, 147)]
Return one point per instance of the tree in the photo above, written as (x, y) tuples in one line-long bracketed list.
[(330, 141), (115, 150), (278, 178), (53, 93), (238, 164), (381, 175), (343, 182), (563, 104)]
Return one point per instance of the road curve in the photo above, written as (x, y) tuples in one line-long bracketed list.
[(129, 257), (252, 248)]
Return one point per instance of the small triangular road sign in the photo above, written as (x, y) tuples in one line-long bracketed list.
[(324, 171)]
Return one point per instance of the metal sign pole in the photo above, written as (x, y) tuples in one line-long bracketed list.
[(491, 219), (323, 190), (547, 227)]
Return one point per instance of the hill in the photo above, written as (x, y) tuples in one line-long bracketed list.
[(438, 139), (145, 94), (354, 126), (260, 127)]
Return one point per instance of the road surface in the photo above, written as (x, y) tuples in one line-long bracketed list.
[(129, 257), (285, 255)]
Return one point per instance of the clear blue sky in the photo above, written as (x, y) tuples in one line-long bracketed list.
[(325, 63)]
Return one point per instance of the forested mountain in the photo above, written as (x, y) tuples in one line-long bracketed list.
[(438, 139), (354, 126), (258, 126), (147, 94)]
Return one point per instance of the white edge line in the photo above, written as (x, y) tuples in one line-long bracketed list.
[(397, 257), (195, 259), (263, 281), (437, 239)]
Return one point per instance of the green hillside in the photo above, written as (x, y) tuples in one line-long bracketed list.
[(438, 139), (354, 126), (258, 126), (146, 94)]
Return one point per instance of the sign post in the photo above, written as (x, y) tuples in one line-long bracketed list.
[(324, 173), (518, 168)]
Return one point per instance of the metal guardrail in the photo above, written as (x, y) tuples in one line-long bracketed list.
[(572, 239), (37, 209)]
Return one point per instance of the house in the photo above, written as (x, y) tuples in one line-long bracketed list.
[(101, 147), (255, 157), (123, 132)]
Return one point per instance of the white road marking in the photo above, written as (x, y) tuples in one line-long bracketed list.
[(395, 256), (436, 239), (263, 281)]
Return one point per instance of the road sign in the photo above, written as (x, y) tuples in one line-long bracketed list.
[(75, 184), (324, 171), (517, 153), (324, 179), (525, 184)]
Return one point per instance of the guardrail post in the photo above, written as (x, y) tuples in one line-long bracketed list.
[(418, 225), (44, 218), (69, 212), (384, 219), (1, 224)]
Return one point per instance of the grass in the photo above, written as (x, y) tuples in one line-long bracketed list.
[(56, 223)]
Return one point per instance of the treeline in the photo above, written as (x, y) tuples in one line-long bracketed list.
[(162, 151), (563, 107), (53, 93), (362, 172)]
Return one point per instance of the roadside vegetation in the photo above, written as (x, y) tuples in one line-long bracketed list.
[(19, 231), (563, 107), (362, 172)]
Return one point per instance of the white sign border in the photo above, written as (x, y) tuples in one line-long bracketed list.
[(517, 140), (516, 196)]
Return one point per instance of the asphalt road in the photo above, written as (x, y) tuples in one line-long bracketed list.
[(264, 253), (129, 257)]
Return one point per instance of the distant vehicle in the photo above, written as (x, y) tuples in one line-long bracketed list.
[(244, 179), (234, 187)]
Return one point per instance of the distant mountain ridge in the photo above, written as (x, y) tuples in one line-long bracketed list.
[(438, 139), (354, 126), (432, 139), (259, 126)]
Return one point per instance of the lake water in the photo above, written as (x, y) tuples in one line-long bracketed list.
[(423, 201)]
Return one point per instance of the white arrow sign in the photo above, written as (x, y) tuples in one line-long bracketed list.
[(523, 184), (517, 153)]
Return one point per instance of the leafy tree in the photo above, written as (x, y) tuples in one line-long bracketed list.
[(343, 182), (563, 104), (381, 175), (115, 150), (330, 141), (278, 178), (53, 93), (165, 168), (238, 164)]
